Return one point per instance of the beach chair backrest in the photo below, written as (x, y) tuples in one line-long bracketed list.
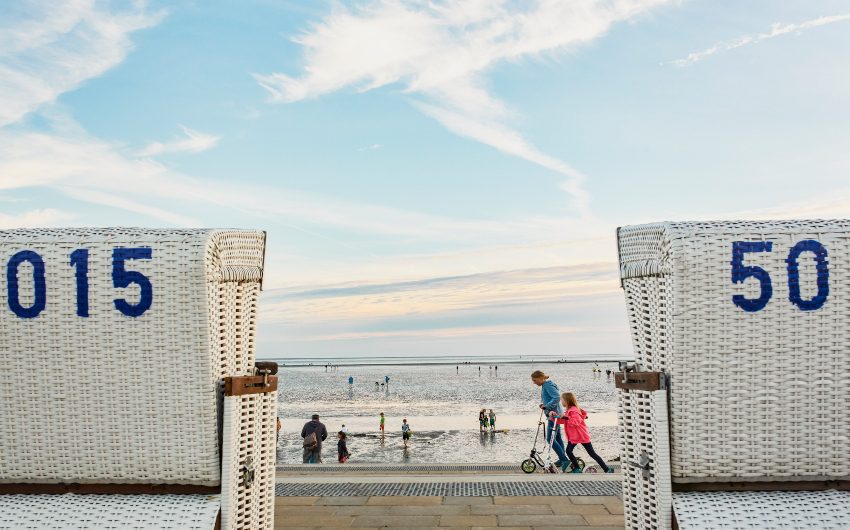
[(751, 321), (113, 346)]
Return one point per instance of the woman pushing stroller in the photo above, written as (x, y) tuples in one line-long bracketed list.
[(577, 433)]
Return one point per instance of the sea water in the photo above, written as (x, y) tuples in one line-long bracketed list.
[(441, 404)]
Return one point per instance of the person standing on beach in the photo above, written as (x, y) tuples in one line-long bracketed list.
[(457, 369), (482, 421), (492, 421), (313, 433), (405, 431), (577, 433), (387, 380), (342, 448), (350, 380), (550, 396), (382, 424)]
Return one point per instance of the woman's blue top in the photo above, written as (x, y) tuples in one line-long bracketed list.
[(550, 396)]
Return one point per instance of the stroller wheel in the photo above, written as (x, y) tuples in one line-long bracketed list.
[(528, 465)]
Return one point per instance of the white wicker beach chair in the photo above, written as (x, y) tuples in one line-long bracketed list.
[(130, 395), (736, 414)]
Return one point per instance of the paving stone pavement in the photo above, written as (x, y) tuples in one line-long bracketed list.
[(450, 488), (503, 512)]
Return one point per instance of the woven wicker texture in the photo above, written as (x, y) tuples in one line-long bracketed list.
[(117, 398), (756, 394), (250, 436), (644, 431), (108, 512), (751, 510)]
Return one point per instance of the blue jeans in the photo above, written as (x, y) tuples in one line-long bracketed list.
[(558, 443)]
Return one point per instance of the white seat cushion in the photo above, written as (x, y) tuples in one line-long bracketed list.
[(112, 512), (749, 510)]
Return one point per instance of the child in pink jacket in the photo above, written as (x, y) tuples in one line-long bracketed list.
[(577, 433)]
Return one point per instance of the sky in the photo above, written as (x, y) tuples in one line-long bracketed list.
[(436, 178)]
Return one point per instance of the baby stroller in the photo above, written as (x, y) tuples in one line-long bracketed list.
[(539, 459)]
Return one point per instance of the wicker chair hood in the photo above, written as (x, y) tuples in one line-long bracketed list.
[(137, 328), (751, 321)]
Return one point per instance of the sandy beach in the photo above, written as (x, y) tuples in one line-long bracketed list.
[(441, 403)]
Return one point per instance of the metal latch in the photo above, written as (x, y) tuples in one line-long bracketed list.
[(642, 463), (265, 369), (248, 472), (627, 367)]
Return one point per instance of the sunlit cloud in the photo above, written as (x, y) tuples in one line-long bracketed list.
[(370, 147), (39, 218), (776, 30), (438, 295), (49, 48), (441, 53), (557, 309), (191, 142), (483, 331)]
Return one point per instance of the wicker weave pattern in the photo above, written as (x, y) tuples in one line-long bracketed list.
[(751, 510), (104, 406), (770, 381), (108, 512), (643, 430), (250, 427)]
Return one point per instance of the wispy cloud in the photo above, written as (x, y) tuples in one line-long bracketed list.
[(191, 142), (43, 217), (370, 147), (459, 332), (49, 48), (776, 30), (554, 307), (438, 295), (441, 53), (100, 172)]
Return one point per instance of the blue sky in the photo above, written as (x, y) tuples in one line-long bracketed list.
[(435, 177)]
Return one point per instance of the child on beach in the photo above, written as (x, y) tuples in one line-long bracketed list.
[(405, 431), (342, 448), (577, 433), (382, 423)]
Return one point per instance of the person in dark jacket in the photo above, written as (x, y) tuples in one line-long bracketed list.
[(313, 451), (342, 448)]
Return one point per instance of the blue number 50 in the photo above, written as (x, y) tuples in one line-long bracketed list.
[(123, 278), (741, 272)]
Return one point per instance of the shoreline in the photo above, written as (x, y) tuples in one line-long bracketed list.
[(359, 363), (367, 425)]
